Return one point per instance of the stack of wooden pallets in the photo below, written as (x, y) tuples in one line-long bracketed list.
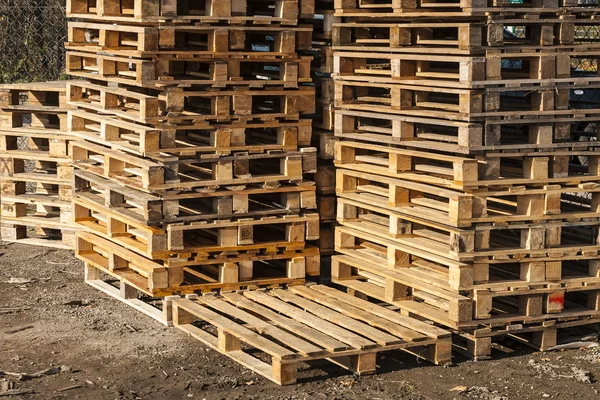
[(35, 179), (193, 174), (201, 136), (467, 167), (277, 332), (193, 159)]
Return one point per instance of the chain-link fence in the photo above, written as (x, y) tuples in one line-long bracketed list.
[(32, 36)]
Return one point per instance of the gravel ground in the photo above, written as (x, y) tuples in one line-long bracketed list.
[(69, 341)]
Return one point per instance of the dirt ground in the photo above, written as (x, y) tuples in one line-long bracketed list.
[(89, 346)]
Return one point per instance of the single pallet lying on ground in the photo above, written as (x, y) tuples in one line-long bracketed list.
[(301, 324)]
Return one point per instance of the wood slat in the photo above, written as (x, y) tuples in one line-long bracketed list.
[(305, 317), (338, 318)]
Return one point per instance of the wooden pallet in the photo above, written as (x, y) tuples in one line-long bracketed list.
[(157, 280), (217, 138), (173, 207), (36, 105), (449, 261), (201, 237), (18, 202), (302, 324), (40, 140), (501, 170), (419, 166), (462, 104), (259, 13), (498, 67), (481, 242), (456, 8), (192, 172), (455, 38), (44, 147), (426, 247), (449, 207), (401, 289), (484, 243), (44, 169), (563, 99), (307, 256), (223, 105), (529, 274), (33, 192), (192, 41), (210, 137), (466, 138), (500, 275), (34, 166), (47, 230), (179, 106), (42, 117), (211, 71), (410, 100), (38, 94)]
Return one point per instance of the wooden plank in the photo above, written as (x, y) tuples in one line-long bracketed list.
[(313, 321), (338, 318)]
